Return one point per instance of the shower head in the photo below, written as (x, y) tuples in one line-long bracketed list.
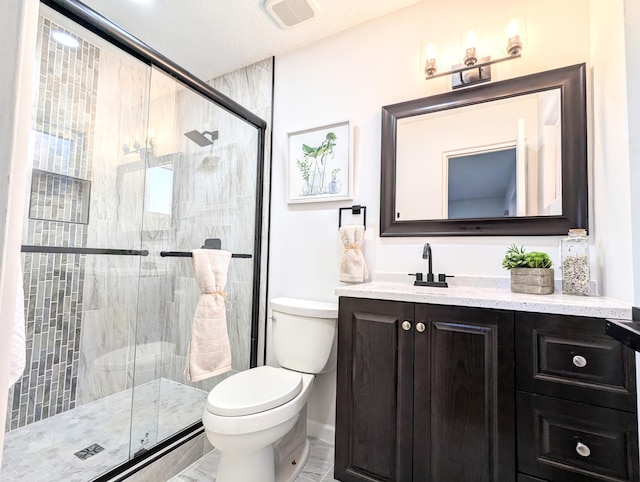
[(200, 139)]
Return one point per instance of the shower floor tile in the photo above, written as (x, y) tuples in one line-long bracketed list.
[(319, 466), (45, 451)]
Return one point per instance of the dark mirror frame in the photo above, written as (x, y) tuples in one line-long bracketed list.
[(571, 82)]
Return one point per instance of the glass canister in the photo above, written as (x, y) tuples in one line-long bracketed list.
[(575, 263)]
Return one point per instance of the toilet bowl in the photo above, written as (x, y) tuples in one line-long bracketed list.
[(247, 413)]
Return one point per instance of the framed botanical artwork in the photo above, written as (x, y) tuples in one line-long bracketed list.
[(320, 164)]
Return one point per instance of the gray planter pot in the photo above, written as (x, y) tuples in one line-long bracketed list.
[(532, 281)]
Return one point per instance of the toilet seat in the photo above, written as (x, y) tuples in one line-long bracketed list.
[(253, 391)]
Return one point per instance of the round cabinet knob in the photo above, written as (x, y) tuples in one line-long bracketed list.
[(420, 327), (579, 361), (583, 450), (406, 325)]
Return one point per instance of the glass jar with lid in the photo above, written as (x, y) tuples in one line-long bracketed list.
[(575, 263)]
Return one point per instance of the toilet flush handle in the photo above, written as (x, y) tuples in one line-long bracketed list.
[(273, 319)]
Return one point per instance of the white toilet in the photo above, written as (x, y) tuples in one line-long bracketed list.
[(247, 413)]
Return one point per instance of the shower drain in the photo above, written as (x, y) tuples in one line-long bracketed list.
[(90, 451)]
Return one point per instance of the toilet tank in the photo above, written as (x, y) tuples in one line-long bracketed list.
[(304, 334)]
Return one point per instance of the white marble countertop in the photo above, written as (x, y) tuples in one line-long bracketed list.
[(490, 293)]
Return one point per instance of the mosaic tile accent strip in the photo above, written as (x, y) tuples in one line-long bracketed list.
[(55, 197), (53, 283)]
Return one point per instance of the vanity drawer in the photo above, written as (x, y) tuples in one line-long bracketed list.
[(565, 441), (526, 478), (571, 357)]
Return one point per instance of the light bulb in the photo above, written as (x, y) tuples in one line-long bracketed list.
[(512, 28), (515, 29), (429, 53), (471, 40)]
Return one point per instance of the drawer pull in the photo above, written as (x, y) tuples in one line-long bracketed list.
[(406, 325), (583, 450), (420, 327), (579, 361)]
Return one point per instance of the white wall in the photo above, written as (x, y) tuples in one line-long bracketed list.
[(632, 31), (611, 214), (376, 64), (18, 24), (632, 34)]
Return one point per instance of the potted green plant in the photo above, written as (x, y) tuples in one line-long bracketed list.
[(531, 273)]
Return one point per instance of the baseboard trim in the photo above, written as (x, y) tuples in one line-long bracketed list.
[(321, 431)]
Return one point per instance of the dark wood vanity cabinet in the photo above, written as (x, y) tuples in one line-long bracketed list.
[(425, 393), (447, 393), (374, 391), (576, 400)]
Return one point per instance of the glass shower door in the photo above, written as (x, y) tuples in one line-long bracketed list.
[(70, 413), (201, 184), (127, 163)]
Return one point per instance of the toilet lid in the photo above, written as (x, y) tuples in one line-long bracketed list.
[(253, 391)]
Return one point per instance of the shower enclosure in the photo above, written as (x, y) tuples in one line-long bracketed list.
[(135, 164)]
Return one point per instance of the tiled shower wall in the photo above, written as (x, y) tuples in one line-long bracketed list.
[(216, 198), (109, 304), (62, 156)]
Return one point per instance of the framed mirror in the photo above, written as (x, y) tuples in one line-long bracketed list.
[(507, 158)]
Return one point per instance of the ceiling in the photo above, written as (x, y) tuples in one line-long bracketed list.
[(213, 37)]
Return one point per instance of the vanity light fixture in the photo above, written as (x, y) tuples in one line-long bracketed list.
[(475, 69), (138, 146)]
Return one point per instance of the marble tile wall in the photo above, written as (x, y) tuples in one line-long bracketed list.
[(252, 87), (55, 197), (215, 197), (63, 146)]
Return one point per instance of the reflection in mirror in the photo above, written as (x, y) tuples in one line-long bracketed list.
[(159, 189), (488, 160), (502, 158), (154, 174), (481, 185)]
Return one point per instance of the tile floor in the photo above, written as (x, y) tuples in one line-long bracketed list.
[(44, 451), (319, 467)]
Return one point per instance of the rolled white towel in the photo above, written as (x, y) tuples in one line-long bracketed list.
[(18, 348), (353, 268), (209, 350)]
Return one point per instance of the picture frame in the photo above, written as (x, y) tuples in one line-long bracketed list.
[(320, 164)]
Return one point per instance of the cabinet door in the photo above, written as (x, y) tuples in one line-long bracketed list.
[(464, 407), (374, 389)]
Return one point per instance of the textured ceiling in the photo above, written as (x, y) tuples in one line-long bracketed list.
[(213, 37)]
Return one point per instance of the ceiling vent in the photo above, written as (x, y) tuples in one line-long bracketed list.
[(289, 13)]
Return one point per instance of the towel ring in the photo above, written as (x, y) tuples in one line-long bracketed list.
[(355, 209)]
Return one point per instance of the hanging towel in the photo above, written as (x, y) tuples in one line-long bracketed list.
[(18, 348), (209, 351), (353, 268)]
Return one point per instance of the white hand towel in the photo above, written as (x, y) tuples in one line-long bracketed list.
[(209, 350), (353, 268), (18, 348)]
